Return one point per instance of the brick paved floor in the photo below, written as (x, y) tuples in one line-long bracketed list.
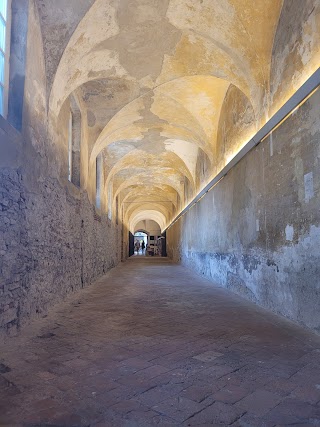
[(153, 344)]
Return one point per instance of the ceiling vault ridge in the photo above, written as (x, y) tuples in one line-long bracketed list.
[(169, 91)]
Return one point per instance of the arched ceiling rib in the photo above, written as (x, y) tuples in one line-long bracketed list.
[(136, 208), (154, 215), (138, 194), (141, 159), (158, 180), (153, 76), (152, 192), (168, 127), (150, 41), (185, 109), (136, 135), (149, 227)]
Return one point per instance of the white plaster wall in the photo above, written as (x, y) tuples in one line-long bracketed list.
[(257, 232)]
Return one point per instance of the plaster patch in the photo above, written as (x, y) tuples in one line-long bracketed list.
[(187, 151), (289, 232), (308, 187)]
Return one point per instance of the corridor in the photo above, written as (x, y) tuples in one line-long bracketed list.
[(151, 343)]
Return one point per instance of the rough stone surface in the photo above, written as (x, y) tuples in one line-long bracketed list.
[(51, 243), (257, 232), (52, 239), (130, 351)]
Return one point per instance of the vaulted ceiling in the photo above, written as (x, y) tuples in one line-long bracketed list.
[(152, 77)]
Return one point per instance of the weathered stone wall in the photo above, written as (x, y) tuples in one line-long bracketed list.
[(257, 232), (52, 242)]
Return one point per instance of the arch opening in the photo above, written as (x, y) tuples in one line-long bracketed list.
[(140, 243)]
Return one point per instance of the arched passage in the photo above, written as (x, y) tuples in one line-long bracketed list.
[(192, 120), (141, 239)]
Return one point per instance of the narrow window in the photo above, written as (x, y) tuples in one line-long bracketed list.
[(4, 56), (74, 144), (70, 147), (98, 180), (117, 210), (110, 197)]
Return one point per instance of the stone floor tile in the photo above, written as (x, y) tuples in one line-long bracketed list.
[(133, 365), (126, 406), (198, 393), (312, 356), (114, 396), (104, 424), (179, 408), (281, 386), (310, 394), (69, 420), (215, 372), (231, 394), (208, 356), (152, 371), (130, 343), (284, 370), (217, 413), (137, 382), (259, 402), (250, 377), (147, 418), (249, 420), (158, 394), (293, 411)]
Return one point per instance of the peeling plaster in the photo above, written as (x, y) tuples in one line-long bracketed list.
[(159, 76)]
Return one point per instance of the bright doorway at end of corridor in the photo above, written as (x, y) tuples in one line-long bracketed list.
[(147, 240), (140, 243)]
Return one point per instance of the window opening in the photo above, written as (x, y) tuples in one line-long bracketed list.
[(110, 193), (140, 243), (98, 180), (117, 210), (4, 56), (70, 147), (74, 144)]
